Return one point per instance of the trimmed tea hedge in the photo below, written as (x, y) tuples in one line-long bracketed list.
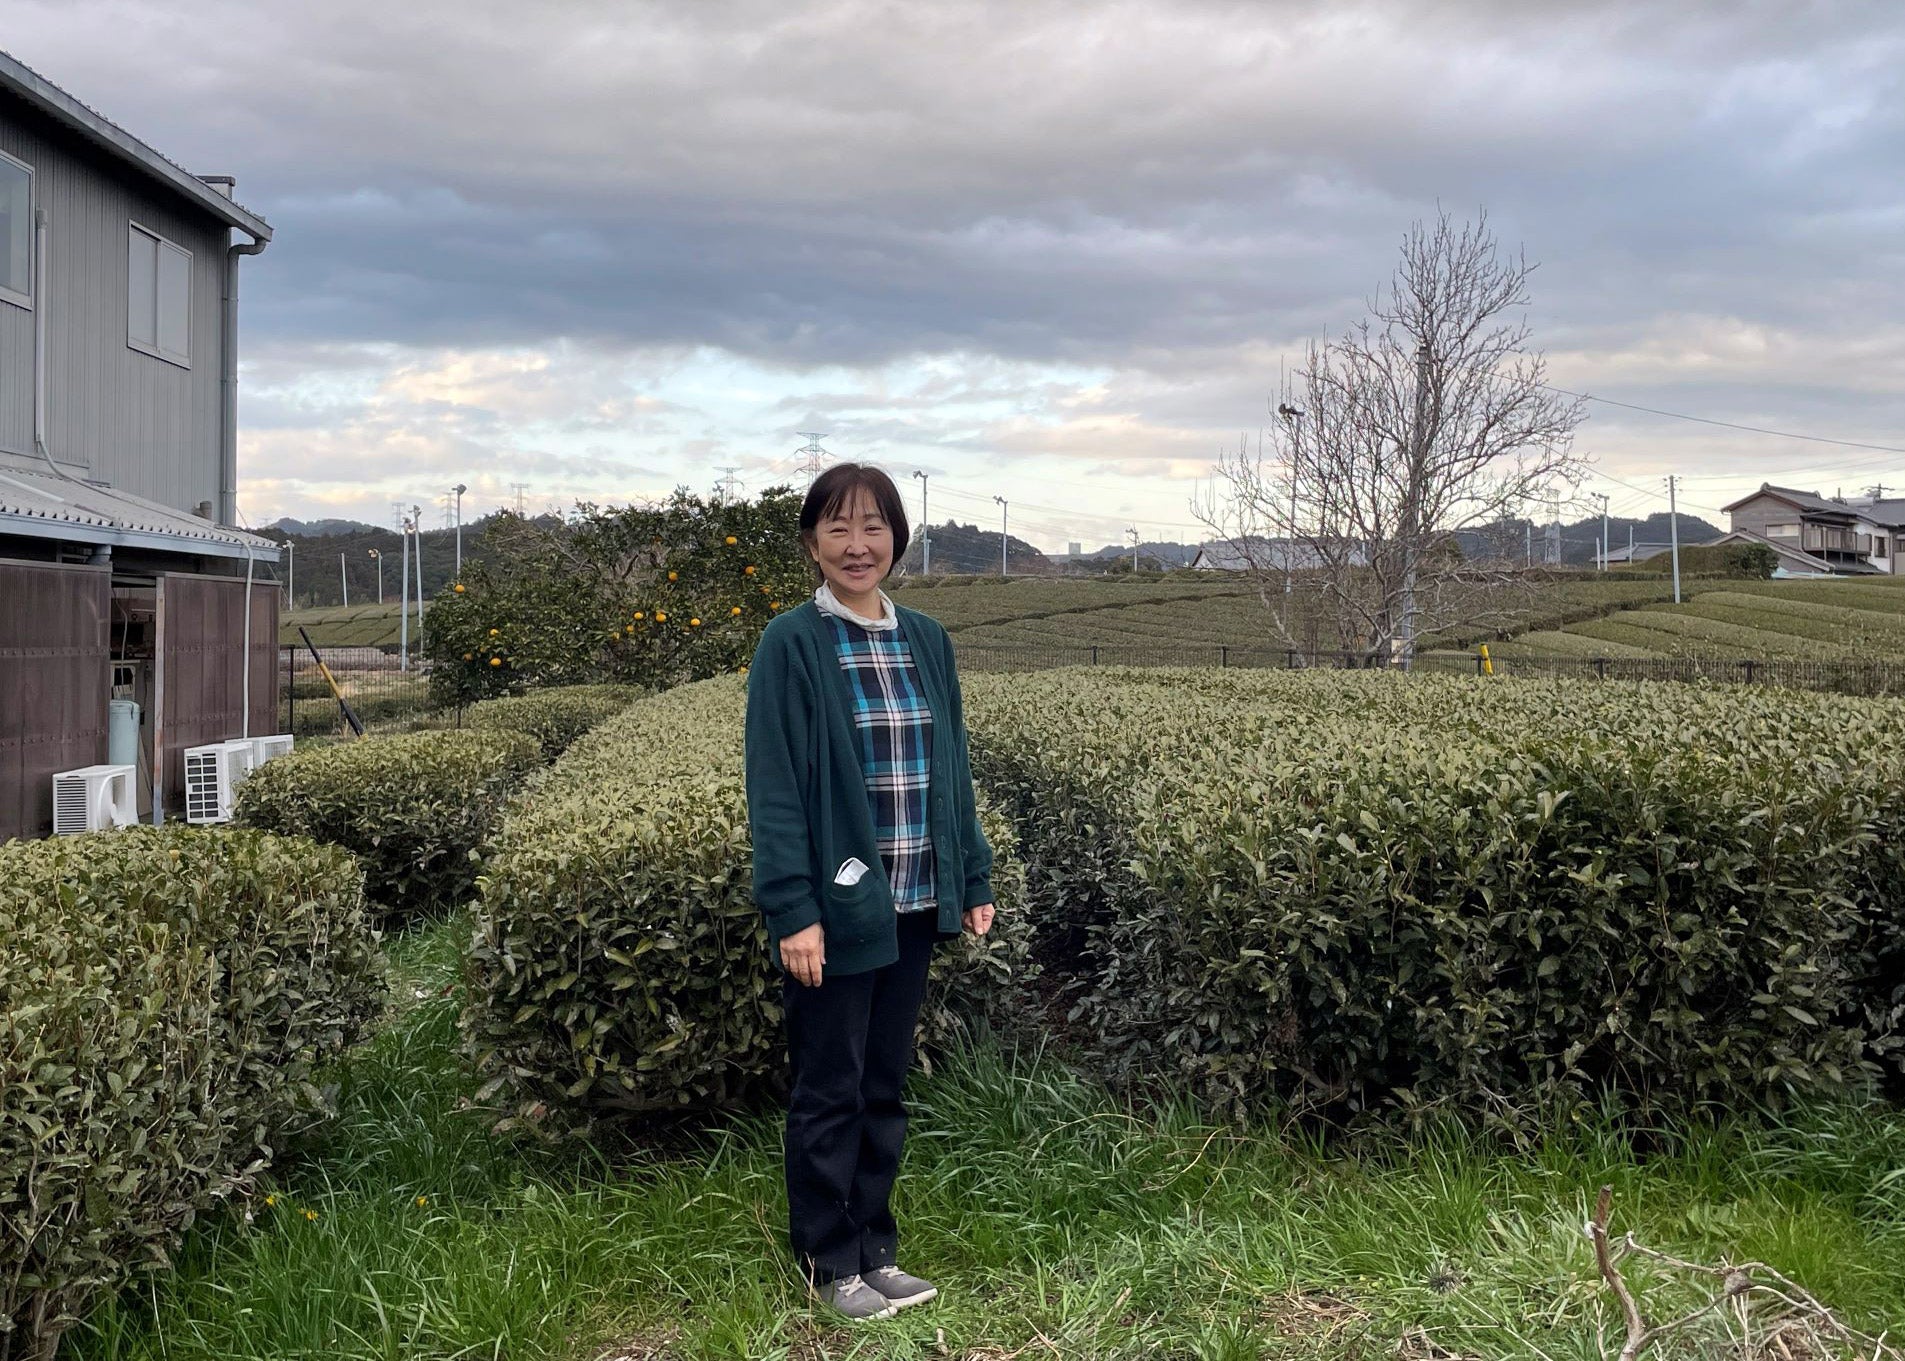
[(416, 809), (165, 996), (619, 964), (554, 717), (1361, 890)]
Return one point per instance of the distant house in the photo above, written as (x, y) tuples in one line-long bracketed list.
[(1258, 554), (1640, 552), (122, 574), (1850, 538)]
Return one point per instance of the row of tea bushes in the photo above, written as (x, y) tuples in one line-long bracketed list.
[(619, 964), (1365, 890), (166, 995), (554, 717), (416, 809)]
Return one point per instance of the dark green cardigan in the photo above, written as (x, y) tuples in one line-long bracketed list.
[(807, 798)]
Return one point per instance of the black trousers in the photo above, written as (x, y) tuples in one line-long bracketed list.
[(851, 1041)]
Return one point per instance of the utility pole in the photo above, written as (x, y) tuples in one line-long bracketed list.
[(925, 527), (1528, 541), (1133, 532), (1630, 545), (1293, 416), (458, 491), (403, 605), (380, 574), (1673, 534), (416, 518), (344, 580), (1603, 499), (1003, 511)]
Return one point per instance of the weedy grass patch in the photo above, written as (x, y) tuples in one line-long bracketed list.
[(1058, 1219)]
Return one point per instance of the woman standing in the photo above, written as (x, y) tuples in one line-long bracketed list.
[(867, 853)]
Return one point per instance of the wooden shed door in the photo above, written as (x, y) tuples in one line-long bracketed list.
[(55, 679), (201, 646)]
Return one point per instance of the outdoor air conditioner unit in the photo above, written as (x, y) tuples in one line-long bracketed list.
[(213, 773), (264, 748), (94, 798)]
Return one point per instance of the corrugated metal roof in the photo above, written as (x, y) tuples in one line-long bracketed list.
[(41, 505), (16, 77)]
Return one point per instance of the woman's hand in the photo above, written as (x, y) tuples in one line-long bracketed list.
[(805, 954), (979, 919)]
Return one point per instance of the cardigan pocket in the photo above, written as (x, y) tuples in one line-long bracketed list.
[(857, 912)]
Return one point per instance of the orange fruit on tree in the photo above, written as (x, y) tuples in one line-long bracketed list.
[(638, 614), (458, 588), (495, 661), (747, 571), (732, 541), (694, 623), (674, 576), (495, 633), (660, 618), (735, 610)]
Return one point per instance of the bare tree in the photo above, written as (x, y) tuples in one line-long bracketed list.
[(1429, 419)]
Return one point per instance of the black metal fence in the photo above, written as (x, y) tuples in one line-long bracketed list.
[(1852, 678), (385, 696)]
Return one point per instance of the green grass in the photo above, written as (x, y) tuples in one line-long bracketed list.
[(348, 625), (1059, 1222)]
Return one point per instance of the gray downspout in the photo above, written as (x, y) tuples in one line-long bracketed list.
[(228, 385)]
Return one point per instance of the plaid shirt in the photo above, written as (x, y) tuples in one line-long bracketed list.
[(895, 726)]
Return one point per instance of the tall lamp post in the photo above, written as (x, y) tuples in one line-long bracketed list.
[(403, 601), (1004, 509), (416, 522), (925, 527), (290, 574), (458, 491), (380, 574)]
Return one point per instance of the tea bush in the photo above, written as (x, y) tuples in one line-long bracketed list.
[(619, 963), (166, 995), (1362, 890), (554, 717), (416, 809)]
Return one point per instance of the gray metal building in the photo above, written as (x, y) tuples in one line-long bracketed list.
[(122, 571)]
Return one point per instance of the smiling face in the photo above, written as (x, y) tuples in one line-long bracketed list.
[(854, 550)]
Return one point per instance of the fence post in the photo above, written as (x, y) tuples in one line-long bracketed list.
[(1748, 664), (1600, 667), (1094, 654), (1289, 659), (1223, 655), (291, 690)]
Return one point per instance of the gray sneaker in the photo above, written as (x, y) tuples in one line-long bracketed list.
[(900, 1289), (852, 1296)]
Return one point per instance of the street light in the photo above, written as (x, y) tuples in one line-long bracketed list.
[(344, 580), (925, 528), (1003, 510), (458, 490), (403, 601), (291, 574), (380, 574)]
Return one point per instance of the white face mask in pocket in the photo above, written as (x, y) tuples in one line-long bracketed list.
[(850, 871)]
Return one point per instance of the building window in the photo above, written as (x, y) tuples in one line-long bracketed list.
[(16, 231), (158, 297), (1878, 546), (1782, 531)]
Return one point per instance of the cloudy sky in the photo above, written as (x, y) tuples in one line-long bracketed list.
[(1051, 251)]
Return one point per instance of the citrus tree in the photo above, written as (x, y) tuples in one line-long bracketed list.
[(653, 595)]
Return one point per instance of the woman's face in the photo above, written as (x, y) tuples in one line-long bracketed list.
[(854, 548)]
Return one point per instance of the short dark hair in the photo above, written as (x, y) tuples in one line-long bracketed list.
[(835, 488)]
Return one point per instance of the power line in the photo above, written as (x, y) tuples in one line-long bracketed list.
[(1727, 425)]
